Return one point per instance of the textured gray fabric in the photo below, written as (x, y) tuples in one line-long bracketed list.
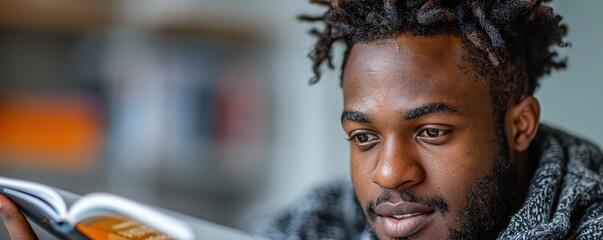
[(564, 200), (329, 212)]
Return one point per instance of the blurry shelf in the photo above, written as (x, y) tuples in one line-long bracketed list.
[(57, 15), (180, 18)]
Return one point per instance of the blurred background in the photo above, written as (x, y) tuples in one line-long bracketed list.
[(203, 106)]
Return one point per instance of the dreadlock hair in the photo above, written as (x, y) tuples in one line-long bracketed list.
[(514, 39)]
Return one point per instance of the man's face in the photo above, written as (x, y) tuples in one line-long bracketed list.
[(426, 159)]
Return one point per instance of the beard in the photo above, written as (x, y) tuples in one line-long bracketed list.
[(488, 201)]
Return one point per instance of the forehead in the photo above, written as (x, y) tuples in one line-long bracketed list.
[(410, 68)]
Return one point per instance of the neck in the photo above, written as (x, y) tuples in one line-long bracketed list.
[(524, 169)]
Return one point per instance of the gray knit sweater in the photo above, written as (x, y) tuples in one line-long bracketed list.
[(564, 200)]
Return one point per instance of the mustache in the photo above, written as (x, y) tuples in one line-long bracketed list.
[(440, 204)]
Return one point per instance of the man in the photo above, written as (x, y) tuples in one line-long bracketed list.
[(443, 129)]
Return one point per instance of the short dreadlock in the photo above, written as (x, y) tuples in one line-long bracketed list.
[(516, 37)]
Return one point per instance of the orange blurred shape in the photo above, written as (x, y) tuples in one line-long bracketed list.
[(57, 131), (117, 228)]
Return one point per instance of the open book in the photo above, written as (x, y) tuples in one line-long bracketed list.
[(105, 216)]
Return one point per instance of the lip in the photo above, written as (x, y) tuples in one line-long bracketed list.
[(402, 219), (395, 228)]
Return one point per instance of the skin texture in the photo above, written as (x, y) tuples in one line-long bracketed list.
[(422, 134)]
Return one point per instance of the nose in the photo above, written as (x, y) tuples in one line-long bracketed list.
[(398, 166)]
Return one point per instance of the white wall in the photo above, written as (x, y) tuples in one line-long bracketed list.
[(573, 99), (309, 144)]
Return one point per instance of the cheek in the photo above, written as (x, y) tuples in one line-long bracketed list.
[(453, 171), (361, 169)]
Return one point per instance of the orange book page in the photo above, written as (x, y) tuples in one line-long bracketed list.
[(114, 228)]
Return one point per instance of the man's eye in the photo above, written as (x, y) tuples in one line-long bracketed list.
[(364, 138), (432, 133)]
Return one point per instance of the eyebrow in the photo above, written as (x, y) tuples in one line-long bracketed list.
[(355, 116), (429, 109)]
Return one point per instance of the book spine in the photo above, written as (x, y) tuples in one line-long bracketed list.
[(66, 231)]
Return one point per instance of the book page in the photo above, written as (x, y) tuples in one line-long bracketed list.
[(102, 205), (43, 197), (118, 228), (34, 208)]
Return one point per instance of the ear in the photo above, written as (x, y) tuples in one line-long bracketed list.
[(523, 120)]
